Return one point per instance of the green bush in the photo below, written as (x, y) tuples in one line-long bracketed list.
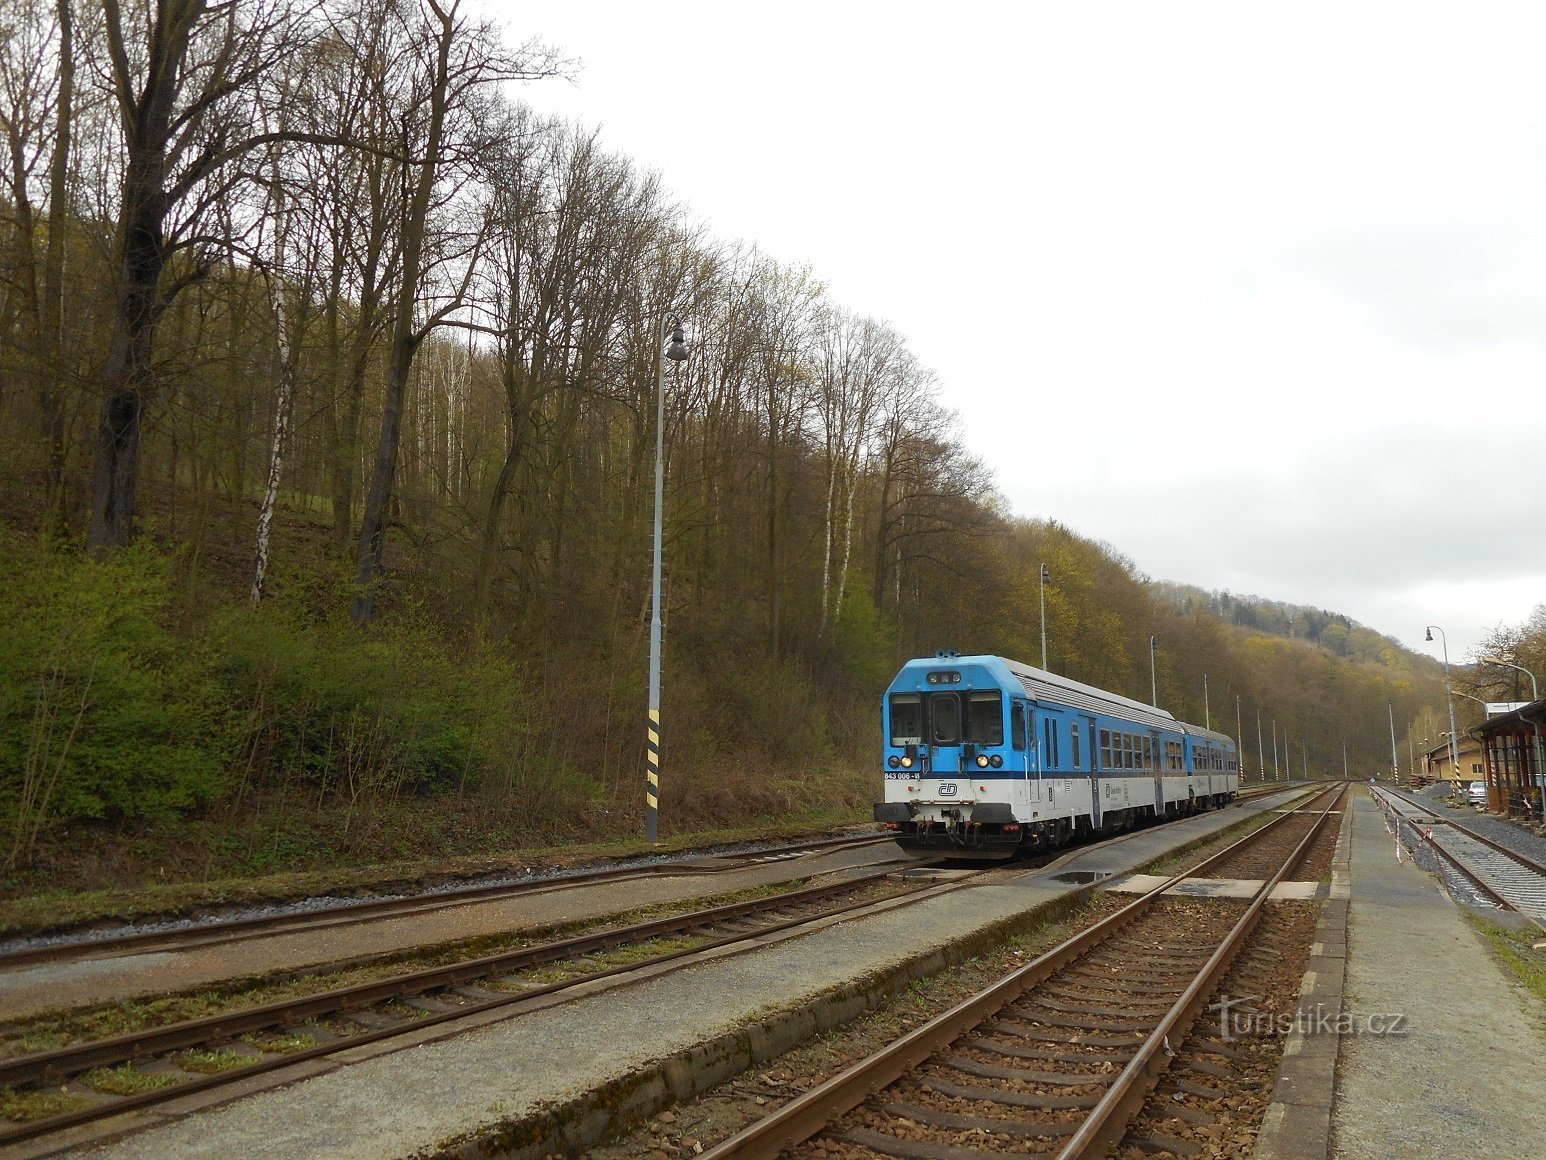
[(103, 714), (345, 713)]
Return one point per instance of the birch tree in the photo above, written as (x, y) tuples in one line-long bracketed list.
[(856, 358)]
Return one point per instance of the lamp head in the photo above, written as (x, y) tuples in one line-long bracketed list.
[(677, 351), (1428, 635)]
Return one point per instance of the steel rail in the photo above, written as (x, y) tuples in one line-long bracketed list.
[(1460, 827), (226, 930), (1473, 873), (1107, 1122), (54, 1066), (807, 1115)]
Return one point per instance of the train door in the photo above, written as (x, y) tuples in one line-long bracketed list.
[(945, 734), (1157, 756), (1094, 774), (1020, 740)]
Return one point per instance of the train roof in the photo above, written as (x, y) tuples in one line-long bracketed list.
[(1041, 685)]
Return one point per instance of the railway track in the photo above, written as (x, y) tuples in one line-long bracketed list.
[(1060, 1056), (92, 1080), (46, 1094), (173, 935), (1506, 878)]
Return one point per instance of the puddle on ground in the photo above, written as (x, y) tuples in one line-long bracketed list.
[(1082, 876)]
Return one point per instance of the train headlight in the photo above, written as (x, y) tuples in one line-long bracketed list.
[(894, 761), (982, 761), (995, 761), (907, 763)]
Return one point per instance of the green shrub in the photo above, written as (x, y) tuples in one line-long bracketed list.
[(102, 713)]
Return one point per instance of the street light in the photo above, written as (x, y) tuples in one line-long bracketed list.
[(1046, 578), (1395, 762), (1261, 750), (1239, 738), (1449, 699), (1153, 695), (1535, 695), (676, 352)]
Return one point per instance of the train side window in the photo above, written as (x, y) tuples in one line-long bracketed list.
[(945, 715), (1105, 748), (1017, 725), (985, 719), (906, 719), (1073, 737), (1148, 753)]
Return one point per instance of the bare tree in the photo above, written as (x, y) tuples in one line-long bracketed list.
[(37, 113), (446, 118), (188, 78), (856, 364)]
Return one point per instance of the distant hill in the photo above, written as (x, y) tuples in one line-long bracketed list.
[(1333, 631)]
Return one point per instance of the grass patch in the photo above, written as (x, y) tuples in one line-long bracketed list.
[(125, 1080), (1513, 947), (213, 1062), (29, 1107), (277, 1044)]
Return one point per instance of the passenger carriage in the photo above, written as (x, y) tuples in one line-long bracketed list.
[(986, 758)]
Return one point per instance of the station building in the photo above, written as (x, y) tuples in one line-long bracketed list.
[(1513, 745)]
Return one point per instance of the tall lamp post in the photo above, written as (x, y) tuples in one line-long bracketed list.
[(1395, 762), (1046, 578), (1535, 695), (1153, 686), (1261, 750), (1449, 699), (676, 352), (1239, 738)]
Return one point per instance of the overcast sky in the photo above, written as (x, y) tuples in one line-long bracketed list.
[(1254, 293)]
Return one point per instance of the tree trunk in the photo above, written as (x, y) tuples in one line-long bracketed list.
[(147, 115)]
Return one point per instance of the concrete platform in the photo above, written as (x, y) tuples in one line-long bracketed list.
[(608, 1060), (1222, 888), (1399, 1058)]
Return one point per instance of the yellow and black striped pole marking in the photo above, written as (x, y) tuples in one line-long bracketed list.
[(652, 776)]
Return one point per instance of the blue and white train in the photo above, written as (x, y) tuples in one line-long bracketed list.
[(987, 758)]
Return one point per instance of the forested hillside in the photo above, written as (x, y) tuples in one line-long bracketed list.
[(327, 421), (1329, 630)]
